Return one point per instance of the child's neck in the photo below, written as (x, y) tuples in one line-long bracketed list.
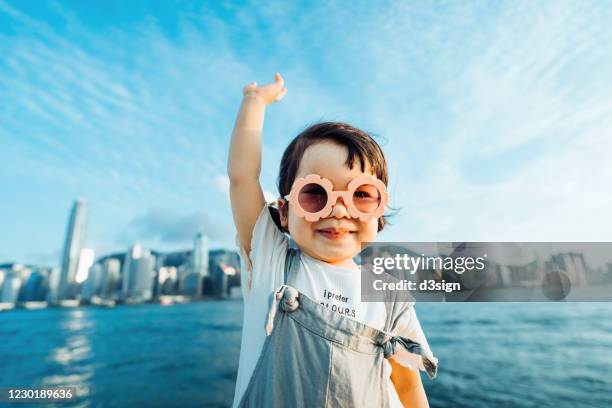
[(348, 263)]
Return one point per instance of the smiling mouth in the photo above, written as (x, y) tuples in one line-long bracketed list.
[(335, 235)]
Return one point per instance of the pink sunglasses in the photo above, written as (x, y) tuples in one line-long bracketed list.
[(312, 197)]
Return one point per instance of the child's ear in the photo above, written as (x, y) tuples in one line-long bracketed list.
[(282, 211)]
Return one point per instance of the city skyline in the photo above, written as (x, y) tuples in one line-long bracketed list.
[(131, 106), (134, 276), (142, 275), (75, 240)]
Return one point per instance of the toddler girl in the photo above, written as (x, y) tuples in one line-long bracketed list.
[(307, 338)]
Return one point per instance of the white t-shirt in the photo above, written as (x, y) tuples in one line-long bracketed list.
[(338, 288)]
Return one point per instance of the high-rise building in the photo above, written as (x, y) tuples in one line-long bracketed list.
[(133, 253), (191, 285), (86, 260), (200, 255), (92, 283), (141, 276), (572, 264), (167, 280), (15, 277), (11, 287), (192, 278), (111, 271), (2, 277), (75, 235), (224, 267), (138, 274), (54, 277), (36, 286)]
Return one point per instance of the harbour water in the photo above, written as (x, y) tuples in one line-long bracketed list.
[(186, 355)]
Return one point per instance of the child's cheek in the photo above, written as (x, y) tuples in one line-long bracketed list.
[(368, 230)]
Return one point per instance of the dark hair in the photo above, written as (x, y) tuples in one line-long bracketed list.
[(360, 146)]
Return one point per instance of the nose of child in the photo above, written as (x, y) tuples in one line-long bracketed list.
[(339, 209)]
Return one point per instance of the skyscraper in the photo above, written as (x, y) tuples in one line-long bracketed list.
[(134, 252), (54, 277), (111, 273), (138, 274), (192, 279), (142, 283), (11, 288), (13, 277), (200, 255), (75, 235), (92, 283), (86, 260), (36, 286)]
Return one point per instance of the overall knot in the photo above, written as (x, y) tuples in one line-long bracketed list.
[(287, 297), (389, 346), (289, 301), (428, 362)]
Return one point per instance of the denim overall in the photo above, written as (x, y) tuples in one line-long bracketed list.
[(315, 357)]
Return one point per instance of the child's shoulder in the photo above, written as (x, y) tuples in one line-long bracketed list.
[(261, 268), (267, 227)]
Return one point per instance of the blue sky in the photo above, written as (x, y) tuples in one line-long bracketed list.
[(495, 117)]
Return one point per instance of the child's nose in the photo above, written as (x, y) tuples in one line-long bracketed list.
[(339, 209)]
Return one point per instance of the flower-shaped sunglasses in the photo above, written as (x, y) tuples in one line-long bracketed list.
[(313, 197)]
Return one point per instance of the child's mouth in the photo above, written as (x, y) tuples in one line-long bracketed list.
[(333, 235)]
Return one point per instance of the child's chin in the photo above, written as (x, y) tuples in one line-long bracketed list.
[(331, 253)]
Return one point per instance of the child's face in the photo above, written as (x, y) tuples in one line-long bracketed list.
[(328, 160)]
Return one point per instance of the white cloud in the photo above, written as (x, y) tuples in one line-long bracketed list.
[(222, 183)]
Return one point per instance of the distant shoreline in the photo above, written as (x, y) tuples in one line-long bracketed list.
[(169, 300)]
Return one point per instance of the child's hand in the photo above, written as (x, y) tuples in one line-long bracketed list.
[(269, 93)]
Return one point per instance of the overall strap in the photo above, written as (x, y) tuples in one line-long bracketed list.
[(389, 306), (395, 307), (292, 264)]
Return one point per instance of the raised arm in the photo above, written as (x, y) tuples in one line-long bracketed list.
[(244, 162)]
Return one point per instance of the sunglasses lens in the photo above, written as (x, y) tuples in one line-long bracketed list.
[(312, 197), (366, 198)]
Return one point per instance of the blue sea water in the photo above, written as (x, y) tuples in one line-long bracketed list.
[(186, 355)]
